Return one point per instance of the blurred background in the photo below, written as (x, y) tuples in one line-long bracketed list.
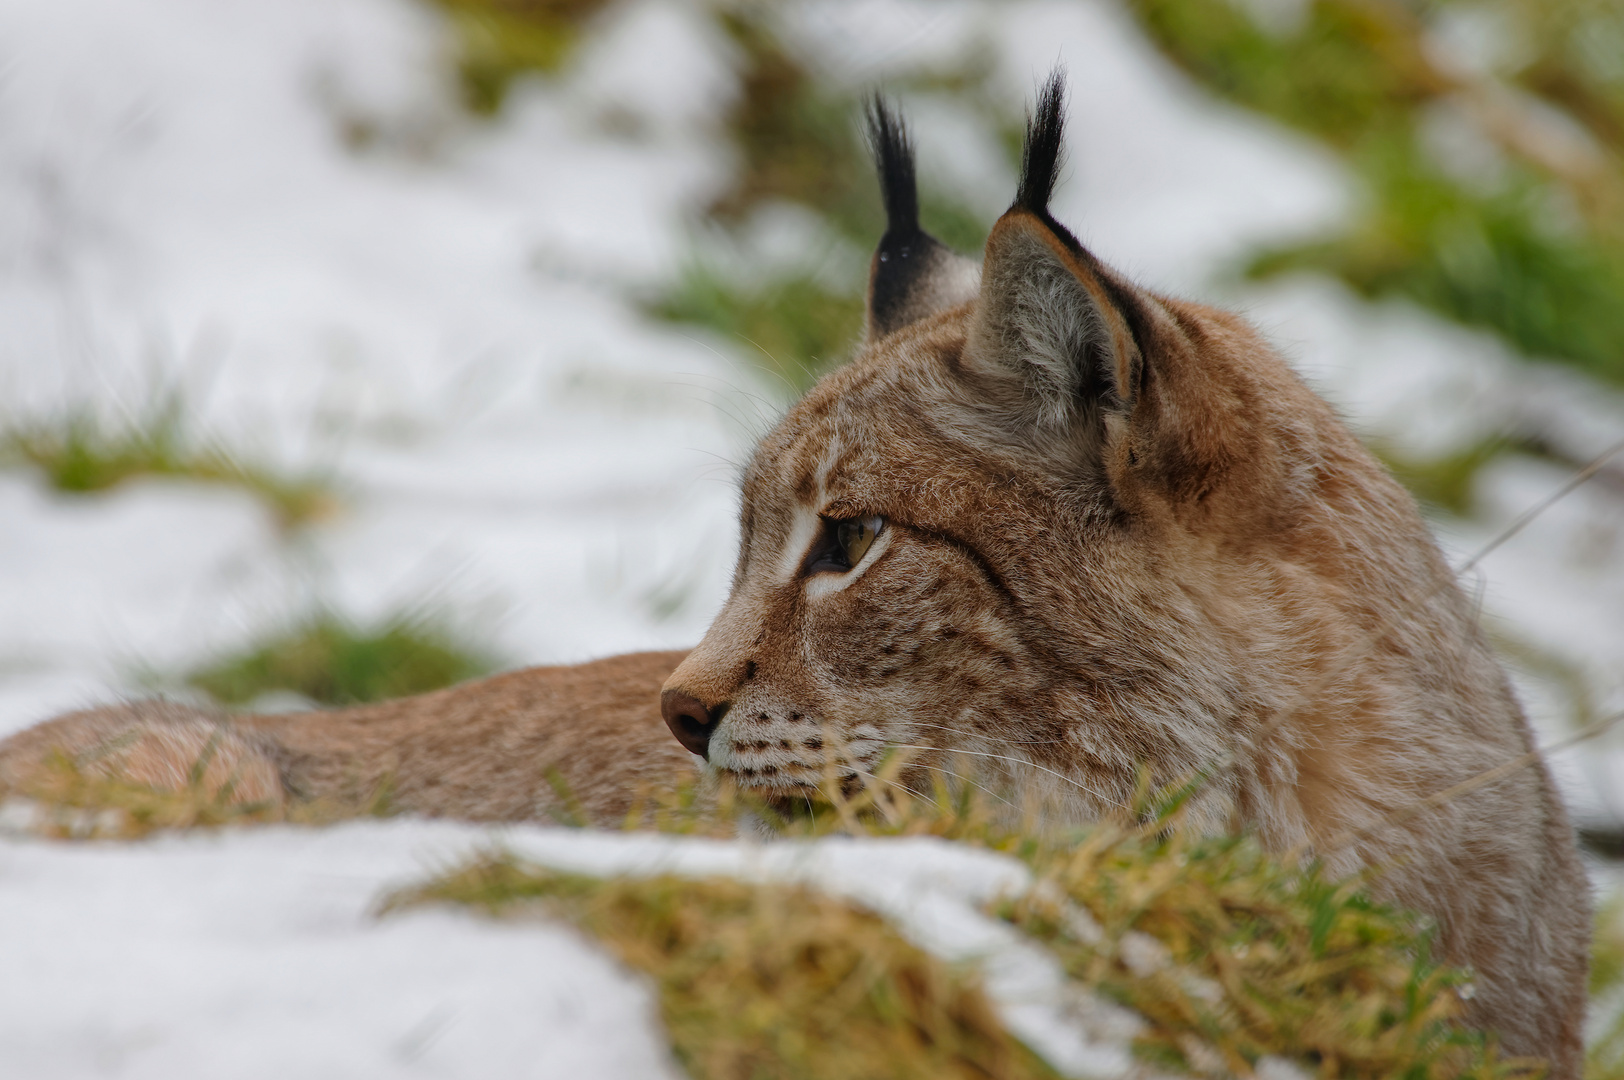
[(349, 348)]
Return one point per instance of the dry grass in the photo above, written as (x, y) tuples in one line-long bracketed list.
[(71, 799), (75, 798), (766, 981), (1604, 1057), (1232, 955)]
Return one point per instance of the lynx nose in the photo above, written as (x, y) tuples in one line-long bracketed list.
[(690, 721)]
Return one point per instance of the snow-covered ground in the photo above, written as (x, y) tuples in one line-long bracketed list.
[(441, 316), (260, 955)]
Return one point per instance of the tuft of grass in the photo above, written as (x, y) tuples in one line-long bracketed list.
[(765, 980), (1230, 953), (1447, 482), (73, 799), (79, 453), (499, 40), (1232, 956), (69, 800), (1604, 1049), (796, 328), (329, 660)]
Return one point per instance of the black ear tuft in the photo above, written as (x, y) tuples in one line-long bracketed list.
[(912, 274), (893, 157), (1040, 160)]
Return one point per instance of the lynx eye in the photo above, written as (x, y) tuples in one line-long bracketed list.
[(843, 544)]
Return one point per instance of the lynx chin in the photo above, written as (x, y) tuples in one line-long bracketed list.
[(1051, 531)]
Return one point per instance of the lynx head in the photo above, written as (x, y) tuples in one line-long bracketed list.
[(1042, 517)]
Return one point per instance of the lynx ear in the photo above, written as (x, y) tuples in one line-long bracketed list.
[(1053, 324), (913, 274)]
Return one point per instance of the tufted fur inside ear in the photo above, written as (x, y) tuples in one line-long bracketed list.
[(1051, 320), (1047, 324), (913, 275)]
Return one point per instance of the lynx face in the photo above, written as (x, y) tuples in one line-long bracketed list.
[(998, 540), (912, 577)]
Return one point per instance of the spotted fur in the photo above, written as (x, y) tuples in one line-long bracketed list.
[(1122, 535)]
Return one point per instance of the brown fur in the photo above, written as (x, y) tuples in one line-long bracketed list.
[(549, 743), (1157, 566)]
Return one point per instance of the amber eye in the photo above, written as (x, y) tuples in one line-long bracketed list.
[(855, 536), (844, 544)]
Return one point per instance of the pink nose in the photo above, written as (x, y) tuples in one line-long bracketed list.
[(690, 721)]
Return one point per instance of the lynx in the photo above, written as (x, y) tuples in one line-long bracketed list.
[(1049, 530), (1048, 519)]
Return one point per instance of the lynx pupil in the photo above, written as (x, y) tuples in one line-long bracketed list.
[(855, 536)]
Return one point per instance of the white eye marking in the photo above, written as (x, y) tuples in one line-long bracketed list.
[(802, 535), (820, 585)]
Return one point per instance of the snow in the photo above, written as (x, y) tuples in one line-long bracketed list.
[(278, 211), (260, 954), (257, 954), (444, 331)]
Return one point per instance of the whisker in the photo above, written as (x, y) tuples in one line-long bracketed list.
[(960, 731), (1018, 761), (983, 788), (1522, 520), (778, 366)]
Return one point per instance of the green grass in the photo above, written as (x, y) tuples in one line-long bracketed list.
[(79, 453), (1229, 954), (1604, 1058), (765, 981), (1535, 254), (1257, 956), (795, 328), (1232, 955), (1483, 260), (334, 662), (89, 796), (500, 40), (1445, 482), (77, 800)]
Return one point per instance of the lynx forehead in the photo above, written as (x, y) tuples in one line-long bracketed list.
[(1050, 530)]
